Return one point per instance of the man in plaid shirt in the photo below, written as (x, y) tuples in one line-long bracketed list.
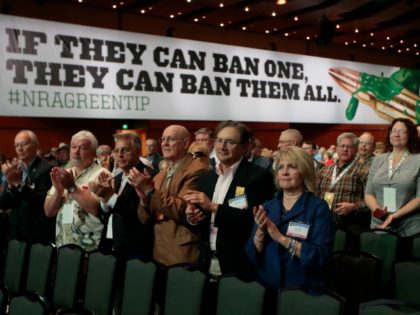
[(342, 185)]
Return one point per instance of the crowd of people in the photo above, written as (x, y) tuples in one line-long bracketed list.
[(222, 202)]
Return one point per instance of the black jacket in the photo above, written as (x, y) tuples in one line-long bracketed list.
[(130, 236), (234, 225), (28, 221)]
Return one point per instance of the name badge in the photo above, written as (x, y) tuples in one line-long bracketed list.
[(329, 198), (239, 191), (390, 199), (68, 213), (109, 231), (299, 230), (239, 202)]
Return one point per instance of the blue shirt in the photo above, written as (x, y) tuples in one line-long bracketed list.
[(276, 266)]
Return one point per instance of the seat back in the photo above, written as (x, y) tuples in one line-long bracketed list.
[(15, 264), (239, 297), (100, 283), (39, 266), (67, 276), (339, 240), (388, 307), (357, 278), (415, 251), (138, 288), (26, 305), (407, 281), (298, 302), (383, 245), (184, 291), (3, 298)]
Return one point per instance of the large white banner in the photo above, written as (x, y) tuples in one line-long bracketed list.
[(53, 69)]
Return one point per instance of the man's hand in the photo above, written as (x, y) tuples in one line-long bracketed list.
[(200, 199), (12, 172), (141, 181), (65, 177), (344, 208), (194, 214), (55, 174), (102, 186)]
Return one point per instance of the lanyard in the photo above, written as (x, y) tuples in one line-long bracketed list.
[(391, 170), (335, 179)]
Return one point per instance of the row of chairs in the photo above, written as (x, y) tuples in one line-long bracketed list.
[(184, 288), (26, 283), (376, 271)]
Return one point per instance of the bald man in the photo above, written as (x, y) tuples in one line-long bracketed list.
[(27, 184), (290, 137), (366, 147), (162, 199)]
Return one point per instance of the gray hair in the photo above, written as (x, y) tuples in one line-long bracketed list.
[(134, 137), (348, 135), (86, 134), (31, 135)]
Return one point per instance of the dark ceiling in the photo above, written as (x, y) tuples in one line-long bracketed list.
[(390, 25)]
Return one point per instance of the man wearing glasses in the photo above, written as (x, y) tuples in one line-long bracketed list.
[(27, 185), (162, 199), (124, 235), (223, 203), (366, 148), (342, 185)]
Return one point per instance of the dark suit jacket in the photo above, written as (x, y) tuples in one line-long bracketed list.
[(28, 221), (175, 241), (130, 236), (234, 225), (155, 161)]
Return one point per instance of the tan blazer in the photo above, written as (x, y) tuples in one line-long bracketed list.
[(174, 241)]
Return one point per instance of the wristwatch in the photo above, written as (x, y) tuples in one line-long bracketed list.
[(72, 189)]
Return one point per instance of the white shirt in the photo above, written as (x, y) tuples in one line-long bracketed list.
[(220, 190)]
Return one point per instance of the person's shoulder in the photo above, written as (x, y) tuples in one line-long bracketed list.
[(253, 168), (44, 165), (196, 165)]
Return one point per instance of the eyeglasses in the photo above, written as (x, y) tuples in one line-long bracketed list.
[(22, 144), (123, 150), (228, 142), (398, 132), (365, 143), (345, 146), (170, 139)]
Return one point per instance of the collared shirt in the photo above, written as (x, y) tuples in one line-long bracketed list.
[(113, 200), (220, 190), (86, 229), (350, 188), (25, 169), (406, 182)]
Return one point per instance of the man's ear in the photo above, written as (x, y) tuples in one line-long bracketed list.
[(186, 143)]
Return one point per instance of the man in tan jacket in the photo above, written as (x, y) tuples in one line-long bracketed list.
[(162, 199)]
